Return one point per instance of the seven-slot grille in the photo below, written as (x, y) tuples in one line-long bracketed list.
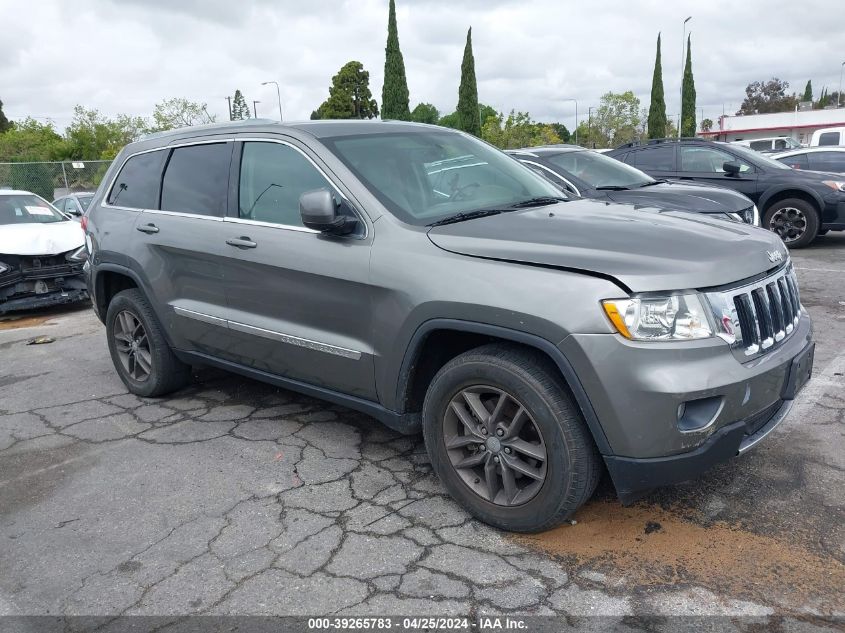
[(765, 313)]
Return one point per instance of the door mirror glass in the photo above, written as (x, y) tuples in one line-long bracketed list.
[(320, 211), (731, 167)]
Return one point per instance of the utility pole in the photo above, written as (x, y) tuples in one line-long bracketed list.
[(255, 109), (229, 99), (683, 63)]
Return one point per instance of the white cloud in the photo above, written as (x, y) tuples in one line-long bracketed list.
[(124, 56)]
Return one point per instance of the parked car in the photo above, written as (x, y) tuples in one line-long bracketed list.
[(419, 275), (797, 205), (770, 144), (828, 136), (585, 173), (830, 159), (74, 204), (42, 253)]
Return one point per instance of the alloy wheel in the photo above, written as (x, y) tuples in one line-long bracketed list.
[(494, 445), (132, 345), (789, 223)]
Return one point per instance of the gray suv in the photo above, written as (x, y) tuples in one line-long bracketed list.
[(421, 276)]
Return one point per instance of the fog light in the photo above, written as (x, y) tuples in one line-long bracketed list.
[(697, 415)]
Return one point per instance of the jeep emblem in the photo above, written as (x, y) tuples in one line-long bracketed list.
[(775, 256)]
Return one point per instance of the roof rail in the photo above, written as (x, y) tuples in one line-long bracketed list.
[(655, 141)]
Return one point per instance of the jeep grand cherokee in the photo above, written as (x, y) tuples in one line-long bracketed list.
[(419, 275)]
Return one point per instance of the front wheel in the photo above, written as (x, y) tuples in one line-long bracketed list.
[(506, 439), (794, 220)]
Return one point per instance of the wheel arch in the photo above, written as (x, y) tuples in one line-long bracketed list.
[(437, 341), (790, 191)]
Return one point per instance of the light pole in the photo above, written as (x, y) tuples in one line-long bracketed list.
[(255, 109), (229, 100), (839, 96), (589, 125), (576, 118), (683, 63), (278, 94)]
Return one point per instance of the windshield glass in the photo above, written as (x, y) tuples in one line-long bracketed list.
[(27, 209), (85, 200), (422, 177), (756, 158), (600, 171)]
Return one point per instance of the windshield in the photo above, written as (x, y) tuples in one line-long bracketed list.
[(85, 200), (27, 209), (426, 176), (600, 171), (756, 158)]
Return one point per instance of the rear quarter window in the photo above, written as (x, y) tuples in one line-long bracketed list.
[(660, 158), (829, 138)]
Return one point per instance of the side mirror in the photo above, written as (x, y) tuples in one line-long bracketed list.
[(319, 211), (731, 168)]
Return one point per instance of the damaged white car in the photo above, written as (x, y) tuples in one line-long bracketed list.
[(42, 252)]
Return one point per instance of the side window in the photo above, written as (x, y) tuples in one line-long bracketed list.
[(197, 179), (658, 158), (781, 143), (827, 161), (60, 204), (707, 160), (71, 206), (829, 138), (799, 161), (273, 176), (136, 186), (760, 145)]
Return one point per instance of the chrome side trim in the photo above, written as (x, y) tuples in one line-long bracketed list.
[(199, 316), (272, 225), (195, 216), (289, 339)]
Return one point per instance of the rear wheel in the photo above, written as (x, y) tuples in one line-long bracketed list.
[(795, 221), (140, 353), (507, 441)]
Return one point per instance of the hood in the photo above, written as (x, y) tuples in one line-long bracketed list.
[(644, 250), (40, 239), (684, 197)]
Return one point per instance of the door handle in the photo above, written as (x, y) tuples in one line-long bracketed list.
[(147, 228), (241, 242)]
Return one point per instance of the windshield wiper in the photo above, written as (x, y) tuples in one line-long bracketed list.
[(652, 183), (539, 201), (467, 215), (612, 188)]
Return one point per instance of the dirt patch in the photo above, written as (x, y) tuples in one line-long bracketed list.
[(16, 323), (649, 546)]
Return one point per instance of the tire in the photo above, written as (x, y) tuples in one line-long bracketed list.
[(571, 467), (794, 220), (155, 370)]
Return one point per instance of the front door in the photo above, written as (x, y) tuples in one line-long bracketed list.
[(705, 164), (299, 301)]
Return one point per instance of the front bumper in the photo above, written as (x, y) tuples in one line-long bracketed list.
[(643, 393)]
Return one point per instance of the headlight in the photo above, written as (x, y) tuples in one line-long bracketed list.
[(838, 185), (756, 216), (79, 255), (749, 216), (675, 318)]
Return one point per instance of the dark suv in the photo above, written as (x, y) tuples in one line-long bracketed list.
[(419, 275), (797, 205)]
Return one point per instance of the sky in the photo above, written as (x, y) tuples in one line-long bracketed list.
[(123, 56)]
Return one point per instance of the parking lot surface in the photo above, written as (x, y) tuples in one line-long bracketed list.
[(234, 497)]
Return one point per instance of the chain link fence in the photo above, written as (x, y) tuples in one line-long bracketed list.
[(54, 179)]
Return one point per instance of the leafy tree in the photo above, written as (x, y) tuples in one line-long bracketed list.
[(517, 130), (394, 93), (562, 132), (688, 96), (706, 125), (453, 121), (424, 113), (179, 112), (349, 95), (29, 140), (657, 109), (450, 120), (468, 112), (767, 96), (91, 135), (240, 109), (827, 99), (5, 124), (808, 91), (617, 120)]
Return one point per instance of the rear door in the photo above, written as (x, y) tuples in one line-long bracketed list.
[(827, 161), (178, 245), (658, 161), (703, 163), (300, 302)]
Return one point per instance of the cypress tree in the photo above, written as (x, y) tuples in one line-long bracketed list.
[(688, 93), (394, 93), (240, 109), (808, 91), (468, 115), (5, 124), (657, 109)]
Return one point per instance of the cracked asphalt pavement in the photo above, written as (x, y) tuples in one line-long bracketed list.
[(235, 497)]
